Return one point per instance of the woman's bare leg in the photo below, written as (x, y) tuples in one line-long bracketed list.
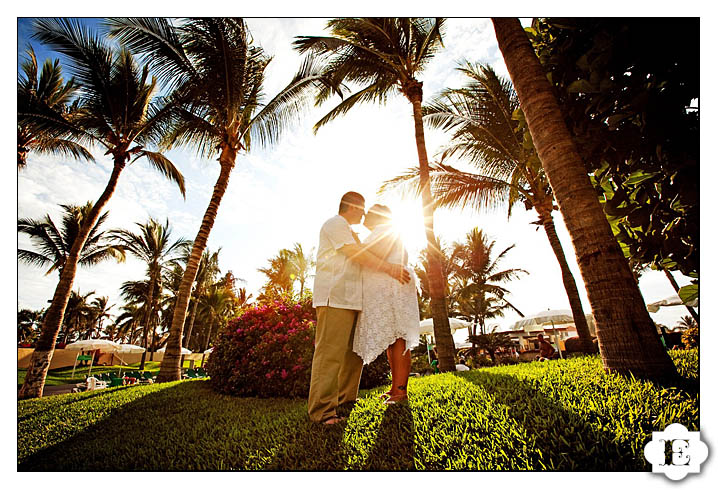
[(401, 367)]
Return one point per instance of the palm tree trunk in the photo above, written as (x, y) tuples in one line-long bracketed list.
[(148, 317), (193, 315), (677, 288), (626, 334), (45, 346), (436, 279), (170, 369), (569, 283)]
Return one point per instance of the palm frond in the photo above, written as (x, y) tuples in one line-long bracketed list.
[(165, 167)]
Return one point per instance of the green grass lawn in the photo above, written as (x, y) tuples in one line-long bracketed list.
[(63, 376), (558, 415)]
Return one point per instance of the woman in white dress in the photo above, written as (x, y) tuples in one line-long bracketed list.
[(389, 317)]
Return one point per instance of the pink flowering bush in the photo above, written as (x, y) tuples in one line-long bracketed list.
[(267, 351)]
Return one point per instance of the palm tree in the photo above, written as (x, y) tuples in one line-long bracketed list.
[(485, 132), (383, 56), (153, 246), (627, 337), (100, 312), (280, 275), (217, 76), (686, 322), (118, 111), (301, 265), (28, 324), (206, 274), (43, 106), (215, 304), (127, 323), (77, 315), (482, 297), (53, 244)]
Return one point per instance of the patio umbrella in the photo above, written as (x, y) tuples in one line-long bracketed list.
[(184, 351), (426, 327), (128, 349), (539, 320), (674, 300), (91, 345)]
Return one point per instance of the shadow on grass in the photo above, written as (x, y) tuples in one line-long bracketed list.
[(71, 400), (393, 448), (562, 439)]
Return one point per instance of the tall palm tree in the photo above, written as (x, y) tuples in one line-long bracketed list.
[(385, 56), (119, 110), (482, 297), (627, 337), (53, 244), (217, 76), (485, 132), (128, 323), (153, 246), (44, 109)]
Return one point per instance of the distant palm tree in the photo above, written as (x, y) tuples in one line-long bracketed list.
[(302, 265), (485, 131), (280, 275), (215, 304), (206, 275), (44, 111), (686, 322), (100, 311), (77, 315), (217, 75), (28, 324), (153, 246), (127, 324), (53, 244), (385, 56), (482, 297), (627, 337), (120, 113)]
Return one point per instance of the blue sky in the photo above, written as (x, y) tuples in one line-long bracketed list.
[(281, 195)]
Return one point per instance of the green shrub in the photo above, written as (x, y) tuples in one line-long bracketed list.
[(266, 352), (376, 373)]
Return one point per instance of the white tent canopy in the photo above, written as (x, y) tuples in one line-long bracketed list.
[(426, 327), (674, 300), (91, 345)]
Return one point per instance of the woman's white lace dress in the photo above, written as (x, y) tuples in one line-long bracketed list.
[(390, 310)]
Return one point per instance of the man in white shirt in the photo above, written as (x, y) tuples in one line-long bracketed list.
[(336, 369)]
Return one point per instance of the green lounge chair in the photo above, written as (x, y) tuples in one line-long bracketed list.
[(201, 372), (192, 374)]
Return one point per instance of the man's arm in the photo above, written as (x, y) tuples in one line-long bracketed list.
[(359, 253)]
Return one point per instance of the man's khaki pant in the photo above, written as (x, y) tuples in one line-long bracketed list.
[(336, 368)]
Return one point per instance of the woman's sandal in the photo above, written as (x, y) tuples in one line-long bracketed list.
[(333, 420), (385, 396), (392, 400)]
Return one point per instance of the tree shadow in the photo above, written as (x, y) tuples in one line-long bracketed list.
[(562, 439), (74, 398)]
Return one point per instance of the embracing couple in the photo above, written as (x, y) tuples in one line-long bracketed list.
[(366, 303)]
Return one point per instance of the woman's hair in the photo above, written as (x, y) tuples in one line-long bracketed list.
[(382, 213)]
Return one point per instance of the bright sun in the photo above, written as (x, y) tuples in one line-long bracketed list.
[(409, 223)]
